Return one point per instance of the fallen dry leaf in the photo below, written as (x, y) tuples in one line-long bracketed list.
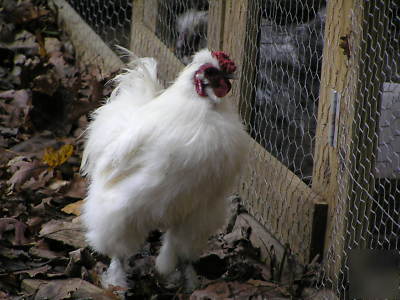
[(58, 184), (79, 261), (52, 45), (33, 272), (25, 170), (47, 83), (41, 249), (13, 254), (74, 288), (41, 208), (39, 181), (54, 158), (219, 290), (30, 286), (18, 108), (73, 208), (76, 188), (4, 295), (26, 12), (261, 283), (24, 42), (65, 232), (35, 144), (19, 229)]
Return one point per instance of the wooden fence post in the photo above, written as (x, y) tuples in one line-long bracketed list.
[(137, 11), (150, 14), (354, 29), (215, 27), (333, 78), (242, 25)]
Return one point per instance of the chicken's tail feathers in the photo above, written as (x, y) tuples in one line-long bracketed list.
[(136, 86), (84, 167), (138, 83)]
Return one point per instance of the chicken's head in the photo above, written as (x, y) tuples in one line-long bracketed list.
[(212, 77)]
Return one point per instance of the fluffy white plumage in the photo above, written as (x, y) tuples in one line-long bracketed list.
[(159, 159)]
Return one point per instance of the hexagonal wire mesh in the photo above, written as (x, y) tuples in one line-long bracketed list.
[(182, 26), (280, 111), (366, 210), (283, 117), (111, 20)]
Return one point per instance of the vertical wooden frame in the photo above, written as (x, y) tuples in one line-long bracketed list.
[(334, 77), (367, 106), (137, 11), (248, 79), (357, 75), (150, 12), (216, 24)]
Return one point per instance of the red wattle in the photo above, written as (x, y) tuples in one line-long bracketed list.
[(199, 87), (223, 88)]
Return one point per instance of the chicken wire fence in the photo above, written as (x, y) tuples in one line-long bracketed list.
[(304, 153), (111, 20), (278, 100), (282, 116), (362, 258)]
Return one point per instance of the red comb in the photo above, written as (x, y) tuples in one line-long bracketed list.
[(225, 63)]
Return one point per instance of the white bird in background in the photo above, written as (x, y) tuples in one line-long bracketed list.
[(162, 159), (192, 33)]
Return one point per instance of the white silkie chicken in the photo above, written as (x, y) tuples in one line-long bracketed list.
[(162, 159)]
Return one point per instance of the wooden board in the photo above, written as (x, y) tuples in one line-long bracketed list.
[(283, 203)]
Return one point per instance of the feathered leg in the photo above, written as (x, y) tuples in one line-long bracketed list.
[(112, 233), (178, 252), (183, 244), (167, 260), (115, 275)]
